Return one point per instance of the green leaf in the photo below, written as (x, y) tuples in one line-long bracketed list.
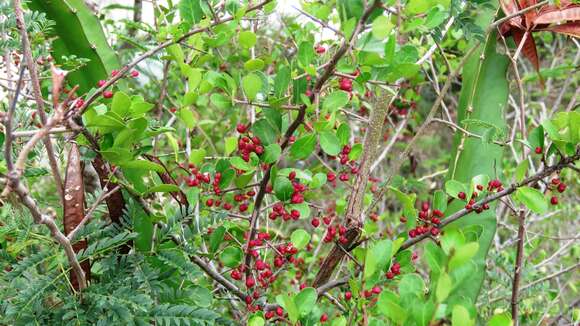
[(408, 202), (143, 165), (305, 301), (289, 306), (381, 27), (417, 6), (411, 285), (378, 257), (187, 117), (300, 239), (533, 199), (281, 81), (454, 187), (502, 319), (240, 164), (197, 156), (190, 11), (463, 254), (283, 188), (303, 147), (440, 200), (335, 101), (460, 316), (355, 152), (256, 320), (231, 256), (329, 143), (306, 53), (230, 146), (166, 187), (247, 39), (340, 321), (138, 108), (251, 84), (271, 153), (220, 101), (254, 64), (318, 180), (522, 170), (389, 305), (444, 287), (216, 238), (343, 133), (266, 131), (121, 104)]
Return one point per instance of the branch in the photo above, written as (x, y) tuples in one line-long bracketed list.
[(518, 266), (21, 24)]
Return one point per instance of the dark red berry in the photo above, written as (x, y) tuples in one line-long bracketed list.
[(554, 200), (538, 150)]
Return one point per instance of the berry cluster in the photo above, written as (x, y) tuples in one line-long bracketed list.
[(247, 145), (350, 166), (108, 93), (428, 221), (558, 185)]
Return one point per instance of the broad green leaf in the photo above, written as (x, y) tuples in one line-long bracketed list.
[(381, 27), (220, 101), (251, 84), (187, 117), (281, 81), (318, 180), (329, 143), (444, 287), (231, 256), (454, 187), (283, 188), (247, 39), (460, 316), (240, 164), (271, 153), (340, 321), (389, 305), (303, 147), (266, 131), (533, 199), (305, 300), (411, 285), (138, 108), (197, 156), (121, 104), (440, 200), (300, 239), (502, 319), (343, 133), (230, 146), (216, 238), (306, 53), (256, 320), (355, 152), (254, 64), (334, 101), (143, 165), (163, 188), (191, 11), (378, 257), (463, 254)]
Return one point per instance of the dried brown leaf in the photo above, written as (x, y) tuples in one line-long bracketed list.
[(529, 50), (570, 13), (570, 29)]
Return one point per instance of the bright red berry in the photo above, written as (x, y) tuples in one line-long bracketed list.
[(323, 318), (107, 94), (462, 195), (101, 83), (134, 73), (561, 187), (347, 295), (554, 200), (538, 150)]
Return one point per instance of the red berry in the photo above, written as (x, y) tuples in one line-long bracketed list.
[(209, 202), (280, 311), (461, 195), (425, 206), (114, 72), (241, 128), (538, 150), (236, 275), (134, 73), (101, 83), (376, 290), (347, 295), (250, 282), (561, 187), (297, 198), (320, 49), (555, 181), (107, 94), (390, 275), (269, 314), (343, 177), (243, 207), (330, 176), (323, 318), (403, 219), (434, 231), (554, 200), (249, 299), (292, 175)]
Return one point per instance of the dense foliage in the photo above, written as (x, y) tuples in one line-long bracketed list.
[(341, 162)]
